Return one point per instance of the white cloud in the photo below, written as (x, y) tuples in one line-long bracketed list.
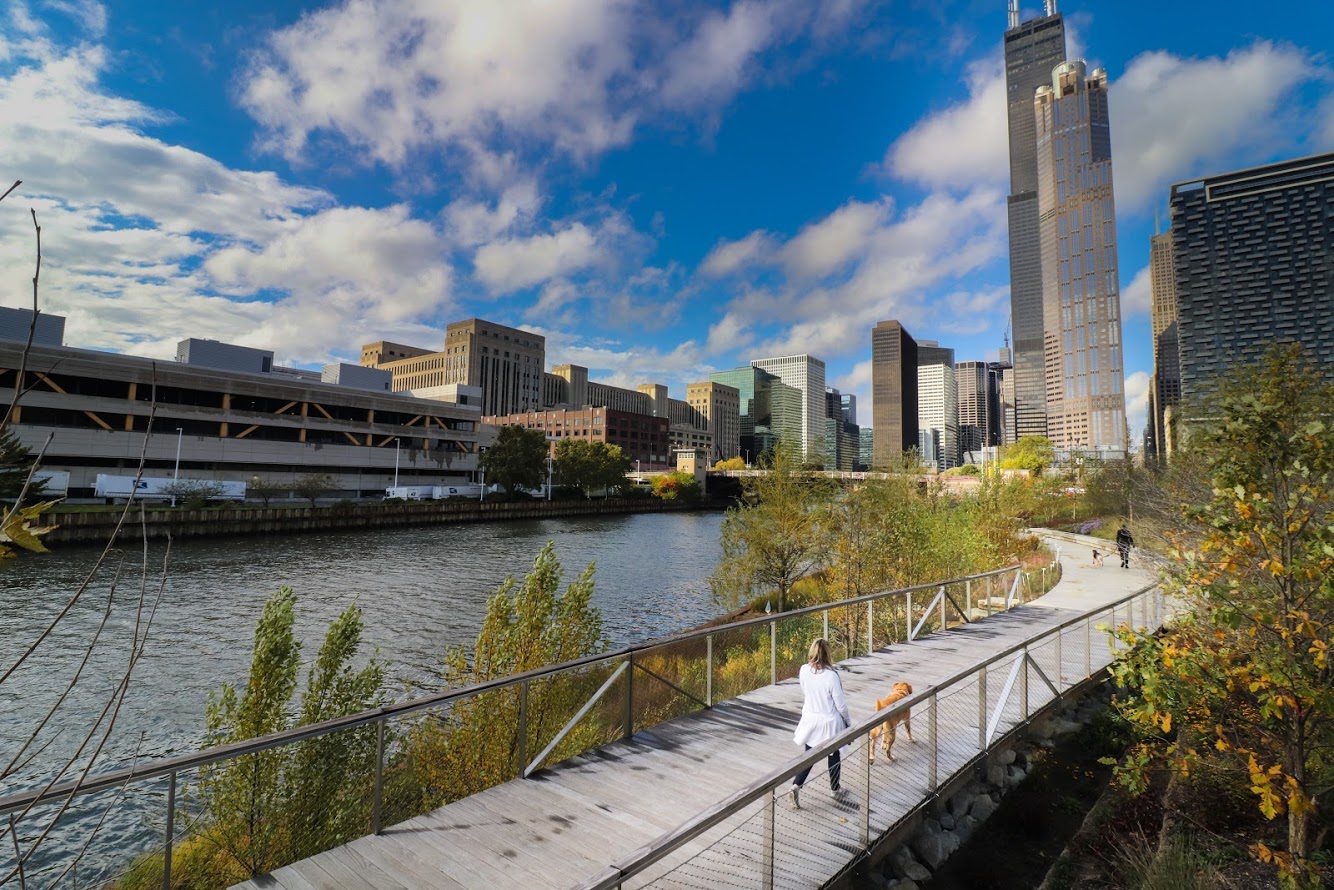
[(729, 257), (1137, 297), (1137, 403), (963, 145), (825, 246), (971, 311), (1175, 117), (391, 78), (518, 263), (145, 242)]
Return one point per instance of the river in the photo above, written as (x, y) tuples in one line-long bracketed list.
[(422, 591)]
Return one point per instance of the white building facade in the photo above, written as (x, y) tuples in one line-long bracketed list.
[(806, 374)]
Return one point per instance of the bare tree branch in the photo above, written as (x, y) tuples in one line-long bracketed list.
[(32, 329), (17, 183)]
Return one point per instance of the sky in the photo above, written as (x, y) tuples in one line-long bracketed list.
[(663, 189)]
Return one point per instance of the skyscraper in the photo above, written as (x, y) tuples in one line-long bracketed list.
[(1165, 391), (979, 408), (1252, 250), (1080, 289), (938, 404), (1032, 49), (805, 374), (769, 410), (893, 393)]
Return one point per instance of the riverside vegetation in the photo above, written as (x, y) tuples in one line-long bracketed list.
[(252, 814)]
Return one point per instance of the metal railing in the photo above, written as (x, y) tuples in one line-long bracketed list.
[(859, 625), (751, 840)]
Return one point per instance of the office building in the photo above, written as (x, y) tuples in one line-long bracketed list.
[(805, 374), (938, 404), (842, 437), (719, 407), (224, 356), (1032, 49), (1165, 389), (769, 410), (641, 437), (978, 386), (506, 363), (358, 376), (865, 447), (16, 325), (1252, 250), (893, 393), (230, 425), (1080, 287)]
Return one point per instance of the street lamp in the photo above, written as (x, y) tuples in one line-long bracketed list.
[(638, 476), (481, 495), (549, 475), (176, 473), (396, 450)]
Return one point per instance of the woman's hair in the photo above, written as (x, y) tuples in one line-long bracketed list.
[(819, 655)]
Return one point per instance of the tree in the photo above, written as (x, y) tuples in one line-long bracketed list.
[(732, 463), (1247, 668), (312, 486), (590, 466), (772, 540), (517, 459), (16, 462), (1033, 453), (676, 487), (267, 489), (193, 493)]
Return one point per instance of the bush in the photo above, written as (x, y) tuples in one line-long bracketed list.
[(677, 487)]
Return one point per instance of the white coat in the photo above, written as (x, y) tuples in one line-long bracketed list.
[(824, 713)]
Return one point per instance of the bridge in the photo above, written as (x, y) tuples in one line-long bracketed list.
[(698, 801)]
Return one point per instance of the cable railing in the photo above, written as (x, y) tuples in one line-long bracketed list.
[(750, 839), (385, 765)]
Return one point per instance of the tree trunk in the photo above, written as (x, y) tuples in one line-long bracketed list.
[(1299, 825)]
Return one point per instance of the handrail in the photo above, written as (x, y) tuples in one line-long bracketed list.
[(164, 766), (639, 860)]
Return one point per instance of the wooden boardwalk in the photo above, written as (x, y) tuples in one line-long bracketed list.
[(566, 824)]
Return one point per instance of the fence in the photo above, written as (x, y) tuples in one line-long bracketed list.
[(230, 812), (752, 839)]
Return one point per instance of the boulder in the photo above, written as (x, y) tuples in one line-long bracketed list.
[(967, 825), (947, 821), (934, 847), (960, 802), (982, 809), (901, 860), (1014, 776), (1006, 757), (996, 775)]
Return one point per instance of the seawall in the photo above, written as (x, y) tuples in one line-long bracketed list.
[(157, 522)]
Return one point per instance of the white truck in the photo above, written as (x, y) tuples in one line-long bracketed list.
[(53, 483), (151, 488), (409, 492)]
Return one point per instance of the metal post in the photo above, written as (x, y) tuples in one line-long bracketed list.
[(708, 670), (767, 868), (1023, 685), (630, 695), (523, 725), (377, 794), (968, 597), (866, 797), (907, 624), (1088, 647), (825, 616), (176, 473), (943, 625), (171, 831), (932, 777), (773, 651), (396, 450), (982, 708), (1060, 661), (870, 627)]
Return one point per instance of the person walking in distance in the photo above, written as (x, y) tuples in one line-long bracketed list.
[(824, 714), (1123, 543)]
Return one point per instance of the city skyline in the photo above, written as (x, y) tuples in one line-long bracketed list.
[(184, 187)]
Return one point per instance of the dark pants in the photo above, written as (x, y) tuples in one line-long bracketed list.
[(835, 770), (1125, 557)]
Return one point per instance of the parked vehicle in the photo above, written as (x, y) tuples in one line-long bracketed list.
[(54, 483), (150, 488), (410, 493)]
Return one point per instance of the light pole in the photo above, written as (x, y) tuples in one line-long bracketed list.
[(481, 495), (176, 473), (639, 477), (396, 450), (549, 475), (748, 458)]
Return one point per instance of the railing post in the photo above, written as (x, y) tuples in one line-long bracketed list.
[(870, 624), (1088, 648), (767, 874), (1023, 685), (982, 708), (824, 615), (968, 598), (523, 726), (708, 670), (907, 625), (170, 839), (377, 794), (1060, 661), (933, 779), (944, 625), (773, 651), (866, 798), (630, 695)]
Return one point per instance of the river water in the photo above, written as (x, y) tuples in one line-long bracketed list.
[(422, 591)]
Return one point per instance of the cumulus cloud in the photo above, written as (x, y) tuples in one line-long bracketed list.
[(729, 257), (963, 145), (517, 263), (825, 246), (391, 78), (146, 242), (1137, 403), (1137, 297)]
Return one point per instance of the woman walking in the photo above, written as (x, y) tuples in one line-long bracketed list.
[(824, 714)]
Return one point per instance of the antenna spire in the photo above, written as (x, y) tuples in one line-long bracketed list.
[(1014, 13), (1051, 6)]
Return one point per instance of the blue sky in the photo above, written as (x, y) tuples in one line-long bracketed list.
[(662, 189)]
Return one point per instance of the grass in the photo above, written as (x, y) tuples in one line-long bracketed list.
[(1178, 865)]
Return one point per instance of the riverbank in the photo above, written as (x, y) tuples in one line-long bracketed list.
[(96, 527)]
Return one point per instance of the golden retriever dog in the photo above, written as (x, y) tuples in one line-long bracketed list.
[(886, 730)]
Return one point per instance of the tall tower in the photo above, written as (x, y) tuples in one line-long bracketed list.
[(1032, 49), (1081, 297), (1166, 388), (893, 393)]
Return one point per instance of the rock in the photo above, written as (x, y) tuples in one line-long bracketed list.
[(901, 860), (1014, 776), (996, 775), (982, 809), (967, 825), (877, 881), (1006, 757), (947, 821), (934, 847), (1065, 727), (909, 885), (960, 803)]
